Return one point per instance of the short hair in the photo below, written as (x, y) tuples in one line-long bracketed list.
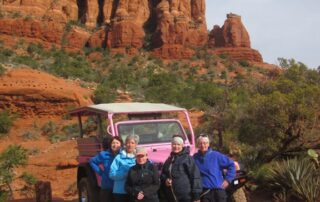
[(177, 139), (203, 137), (133, 137)]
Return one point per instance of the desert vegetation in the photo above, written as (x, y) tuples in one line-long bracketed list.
[(268, 118), (12, 157)]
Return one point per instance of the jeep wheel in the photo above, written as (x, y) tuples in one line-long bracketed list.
[(87, 193), (239, 196)]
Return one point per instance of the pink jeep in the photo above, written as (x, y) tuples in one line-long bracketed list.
[(155, 124)]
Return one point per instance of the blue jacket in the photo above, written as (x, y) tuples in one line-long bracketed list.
[(211, 166), (105, 158), (119, 170)]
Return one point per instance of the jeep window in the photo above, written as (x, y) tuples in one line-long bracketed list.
[(150, 133)]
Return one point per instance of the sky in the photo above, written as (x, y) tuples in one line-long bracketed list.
[(277, 28)]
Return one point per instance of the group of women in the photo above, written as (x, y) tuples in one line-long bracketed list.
[(128, 175)]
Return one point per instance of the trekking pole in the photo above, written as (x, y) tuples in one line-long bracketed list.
[(171, 187)]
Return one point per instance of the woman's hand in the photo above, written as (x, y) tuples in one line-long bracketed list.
[(225, 184), (197, 201), (168, 182), (140, 195)]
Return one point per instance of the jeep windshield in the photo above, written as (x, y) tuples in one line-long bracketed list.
[(151, 132)]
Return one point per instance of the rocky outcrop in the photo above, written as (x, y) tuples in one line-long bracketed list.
[(180, 23), (29, 92), (76, 38), (58, 11), (127, 30), (172, 28), (233, 39), (240, 53), (46, 31), (232, 34)]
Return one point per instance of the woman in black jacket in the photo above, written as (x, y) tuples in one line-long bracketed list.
[(143, 179), (180, 178)]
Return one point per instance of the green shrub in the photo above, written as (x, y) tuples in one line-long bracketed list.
[(223, 56), (223, 75), (49, 128), (29, 178), (16, 15), (6, 52), (12, 157), (6, 122), (5, 55), (35, 48), (244, 63), (69, 66), (30, 181), (104, 94), (57, 138), (26, 60), (2, 70), (30, 136), (70, 129)]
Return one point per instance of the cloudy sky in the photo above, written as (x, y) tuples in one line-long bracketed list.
[(277, 28)]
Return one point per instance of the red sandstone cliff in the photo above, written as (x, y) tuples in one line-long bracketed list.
[(176, 26)]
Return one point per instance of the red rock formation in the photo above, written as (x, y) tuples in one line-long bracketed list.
[(240, 53), (58, 11), (77, 38), (181, 23), (233, 39), (98, 39), (29, 92), (45, 31), (179, 26), (91, 8), (232, 34), (127, 31)]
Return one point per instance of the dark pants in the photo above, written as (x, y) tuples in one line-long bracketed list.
[(121, 198), (215, 195), (106, 195)]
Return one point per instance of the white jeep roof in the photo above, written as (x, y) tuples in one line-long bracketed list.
[(124, 108)]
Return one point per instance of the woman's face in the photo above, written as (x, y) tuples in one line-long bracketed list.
[(203, 145), (130, 146), (141, 159), (176, 148), (115, 146)]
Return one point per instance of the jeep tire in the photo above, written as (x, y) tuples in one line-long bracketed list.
[(87, 192)]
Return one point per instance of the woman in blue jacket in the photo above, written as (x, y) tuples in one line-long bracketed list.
[(105, 158), (212, 165), (120, 167)]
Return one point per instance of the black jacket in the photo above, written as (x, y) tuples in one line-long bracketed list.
[(186, 180), (143, 178)]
